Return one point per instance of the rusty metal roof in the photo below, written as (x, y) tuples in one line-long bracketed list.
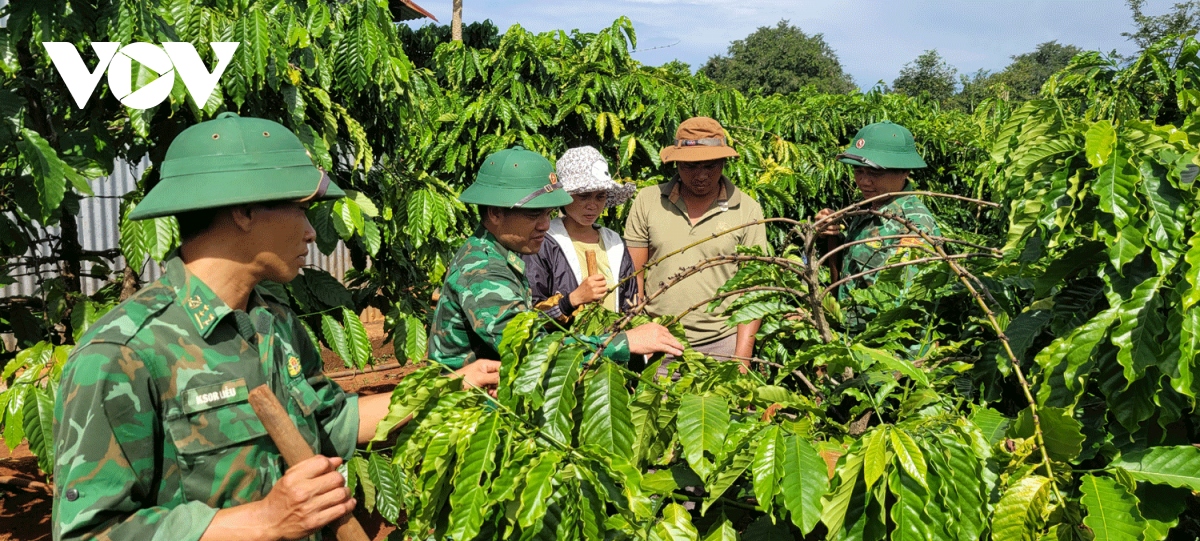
[(407, 10)]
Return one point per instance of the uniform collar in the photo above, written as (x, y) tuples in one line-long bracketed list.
[(509, 256), (203, 307), (890, 202)]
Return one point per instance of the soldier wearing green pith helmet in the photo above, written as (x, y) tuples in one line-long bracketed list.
[(154, 437), (485, 287), (882, 155)]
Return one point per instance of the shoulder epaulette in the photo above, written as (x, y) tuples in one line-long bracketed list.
[(138, 309)]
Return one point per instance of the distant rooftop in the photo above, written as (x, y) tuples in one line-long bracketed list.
[(405, 10)]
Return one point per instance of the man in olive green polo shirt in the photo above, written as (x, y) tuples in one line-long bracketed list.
[(698, 202)]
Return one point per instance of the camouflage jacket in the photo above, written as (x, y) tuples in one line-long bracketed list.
[(153, 432), (485, 288), (873, 254)]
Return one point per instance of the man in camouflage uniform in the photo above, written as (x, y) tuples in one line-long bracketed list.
[(154, 436), (882, 154), (485, 286)]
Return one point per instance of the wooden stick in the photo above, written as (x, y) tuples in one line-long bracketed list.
[(295, 450), (356, 372), (592, 268)]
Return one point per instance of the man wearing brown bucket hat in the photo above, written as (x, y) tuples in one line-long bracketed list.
[(698, 202)]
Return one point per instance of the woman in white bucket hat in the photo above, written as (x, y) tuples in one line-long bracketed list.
[(560, 267)]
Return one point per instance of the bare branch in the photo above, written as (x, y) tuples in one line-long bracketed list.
[(718, 234), (969, 280), (909, 262), (846, 245), (742, 291), (839, 214), (800, 375)]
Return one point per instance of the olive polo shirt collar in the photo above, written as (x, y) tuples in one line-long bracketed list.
[(507, 255), (203, 307), (729, 197)]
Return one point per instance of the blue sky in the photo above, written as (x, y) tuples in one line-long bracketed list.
[(872, 38)]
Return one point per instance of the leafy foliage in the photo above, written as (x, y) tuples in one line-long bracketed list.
[(306, 65), (1019, 81), (931, 428), (1014, 393), (1183, 20), (928, 75), (1112, 510), (27, 404), (779, 60), (401, 118)]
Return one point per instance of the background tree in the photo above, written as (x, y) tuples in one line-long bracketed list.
[(1028, 72), (1020, 80), (420, 43), (928, 75), (677, 67), (976, 87), (780, 60), (1182, 20)]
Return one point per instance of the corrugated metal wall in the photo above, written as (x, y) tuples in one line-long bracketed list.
[(99, 220)]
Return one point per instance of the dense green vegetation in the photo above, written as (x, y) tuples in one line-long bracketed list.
[(1034, 379), (930, 76), (779, 60)]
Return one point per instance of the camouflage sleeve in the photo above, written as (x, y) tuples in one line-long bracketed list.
[(920, 218), (917, 213), (925, 222), (908, 249), (107, 469), (618, 350), (492, 302), (337, 412)]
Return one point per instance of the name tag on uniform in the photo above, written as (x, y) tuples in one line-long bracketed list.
[(211, 396)]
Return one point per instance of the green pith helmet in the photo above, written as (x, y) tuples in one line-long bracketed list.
[(883, 145), (232, 160), (516, 178)]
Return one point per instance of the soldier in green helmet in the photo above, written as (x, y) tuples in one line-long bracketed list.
[(882, 155), (485, 287), (154, 436)]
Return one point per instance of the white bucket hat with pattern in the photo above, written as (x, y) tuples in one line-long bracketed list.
[(583, 170)]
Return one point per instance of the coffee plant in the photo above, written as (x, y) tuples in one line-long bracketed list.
[(1038, 389), (404, 135), (1028, 375)]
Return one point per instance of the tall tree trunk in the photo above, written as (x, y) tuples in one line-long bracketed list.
[(456, 22)]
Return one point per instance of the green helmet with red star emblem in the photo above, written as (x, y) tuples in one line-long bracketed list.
[(883, 145), (516, 178)]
